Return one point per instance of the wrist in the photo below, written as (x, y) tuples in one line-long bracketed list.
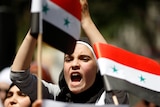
[(87, 22)]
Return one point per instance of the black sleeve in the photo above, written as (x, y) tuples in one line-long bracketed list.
[(27, 83)]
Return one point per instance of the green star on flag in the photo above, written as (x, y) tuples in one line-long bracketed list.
[(115, 69), (142, 79), (45, 8), (66, 22)]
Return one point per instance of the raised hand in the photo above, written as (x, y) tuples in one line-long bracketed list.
[(88, 25)]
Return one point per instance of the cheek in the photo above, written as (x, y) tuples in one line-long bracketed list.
[(90, 73), (90, 68), (25, 102), (6, 102), (89, 79), (90, 76)]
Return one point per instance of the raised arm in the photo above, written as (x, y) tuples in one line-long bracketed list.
[(88, 25), (25, 53)]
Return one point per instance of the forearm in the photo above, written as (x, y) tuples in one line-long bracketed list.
[(88, 25), (92, 32), (25, 53)]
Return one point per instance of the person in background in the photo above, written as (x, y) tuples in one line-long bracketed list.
[(16, 98), (4, 83)]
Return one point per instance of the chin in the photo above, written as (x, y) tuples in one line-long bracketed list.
[(75, 90)]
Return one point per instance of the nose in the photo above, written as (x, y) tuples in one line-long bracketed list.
[(75, 65), (13, 100)]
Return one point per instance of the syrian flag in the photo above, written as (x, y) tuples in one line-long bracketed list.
[(61, 23), (123, 70)]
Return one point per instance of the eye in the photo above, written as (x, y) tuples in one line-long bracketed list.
[(9, 94), (85, 58), (21, 94), (68, 58)]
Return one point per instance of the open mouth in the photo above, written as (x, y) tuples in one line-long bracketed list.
[(76, 77)]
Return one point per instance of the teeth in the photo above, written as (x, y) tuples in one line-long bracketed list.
[(76, 77), (75, 74)]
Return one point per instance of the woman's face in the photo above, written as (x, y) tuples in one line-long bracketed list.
[(15, 98), (80, 69)]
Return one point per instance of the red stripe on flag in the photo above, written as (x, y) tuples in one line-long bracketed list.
[(72, 6), (127, 58)]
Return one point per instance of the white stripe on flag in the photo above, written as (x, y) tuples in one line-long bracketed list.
[(36, 6), (56, 16), (134, 76)]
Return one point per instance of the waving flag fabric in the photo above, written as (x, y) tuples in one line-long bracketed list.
[(61, 23), (124, 70)]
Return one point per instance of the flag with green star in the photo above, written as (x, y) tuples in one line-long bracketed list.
[(61, 23), (125, 70)]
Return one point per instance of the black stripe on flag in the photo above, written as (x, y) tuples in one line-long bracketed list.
[(35, 25), (141, 92), (58, 38)]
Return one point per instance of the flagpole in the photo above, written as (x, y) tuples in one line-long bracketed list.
[(39, 61), (36, 31), (108, 88), (115, 100)]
